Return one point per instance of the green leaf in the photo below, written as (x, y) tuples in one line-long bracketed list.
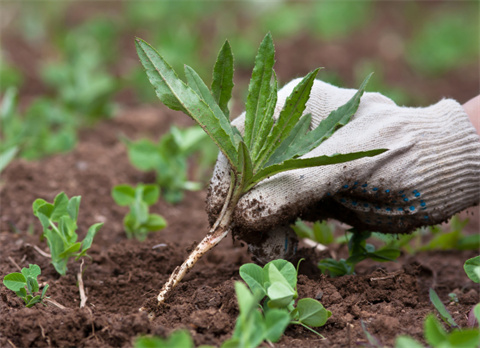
[(7, 156), (336, 268), (33, 301), (471, 267), (442, 310), (312, 313), (9, 103), (37, 204), (308, 162), (21, 293), (384, 255), (253, 275), (32, 271), (280, 295), (73, 207), (222, 82), (180, 338), (268, 120), (15, 281), (282, 152), (434, 332), (287, 272), (123, 195), (476, 312), (70, 250), (68, 227), (46, 209), (337, 119), (302, 230), (465, 338), (45, 288), (245, 167), (151, 194), (246, 300), (155, 223), (143, 154), (407, 342), (59, 207), (323, 232), (174, 93), (196, 83), (88, 240), (259, 90), (276, 321), (288, 118), (32, 284)]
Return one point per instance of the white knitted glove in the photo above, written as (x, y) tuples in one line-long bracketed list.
[(431, 171)]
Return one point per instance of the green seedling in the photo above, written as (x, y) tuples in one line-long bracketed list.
[(266, 148), (437, 337), (59, 222), (252, 326), (442, 310), (277, 281), (180, 338), (43, 129), (169, 159), (320, 232), (453, 297), (472, 268), (358, 250), (138, 222), (25, 285)]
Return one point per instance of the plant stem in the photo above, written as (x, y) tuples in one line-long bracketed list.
[(306, 327), (219, 230)]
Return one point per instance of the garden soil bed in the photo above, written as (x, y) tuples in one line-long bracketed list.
[(390, 298)]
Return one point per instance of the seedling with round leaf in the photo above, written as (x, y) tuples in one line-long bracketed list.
[(59, 222), (277, 281), (268, 146), (139, 222), (25, 285)]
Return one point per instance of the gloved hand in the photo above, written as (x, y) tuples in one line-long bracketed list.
[(431, 171)]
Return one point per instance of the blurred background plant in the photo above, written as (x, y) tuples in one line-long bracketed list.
[(73, 63)]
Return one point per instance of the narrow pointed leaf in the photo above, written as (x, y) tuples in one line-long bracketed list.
[(434, 332), (222, 82), (73, 207), (288, 118), (196, 83), (337, 119), (88, 240), (267, 120), (7, 156), (309, 162), (175, 94), (442, 310), (247, 162), (33, 301), (45, 288), (259, 89), (59, 207), (70, 250), (298, 132)]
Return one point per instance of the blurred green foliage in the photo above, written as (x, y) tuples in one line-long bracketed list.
[(83, 56)]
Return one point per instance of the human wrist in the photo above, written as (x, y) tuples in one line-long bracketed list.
[(472, 108)]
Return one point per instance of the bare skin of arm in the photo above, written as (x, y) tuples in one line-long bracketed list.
[(472, 108)]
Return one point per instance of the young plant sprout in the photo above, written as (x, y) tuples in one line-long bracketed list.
[(61, 237), (266, 148), (138, 222), (25, 285)]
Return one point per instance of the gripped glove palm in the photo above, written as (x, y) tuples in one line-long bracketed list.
[(431, 171)]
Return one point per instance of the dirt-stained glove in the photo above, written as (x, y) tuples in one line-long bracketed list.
[(431, 171)]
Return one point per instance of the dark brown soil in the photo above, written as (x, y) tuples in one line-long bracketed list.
[(125, 273)]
